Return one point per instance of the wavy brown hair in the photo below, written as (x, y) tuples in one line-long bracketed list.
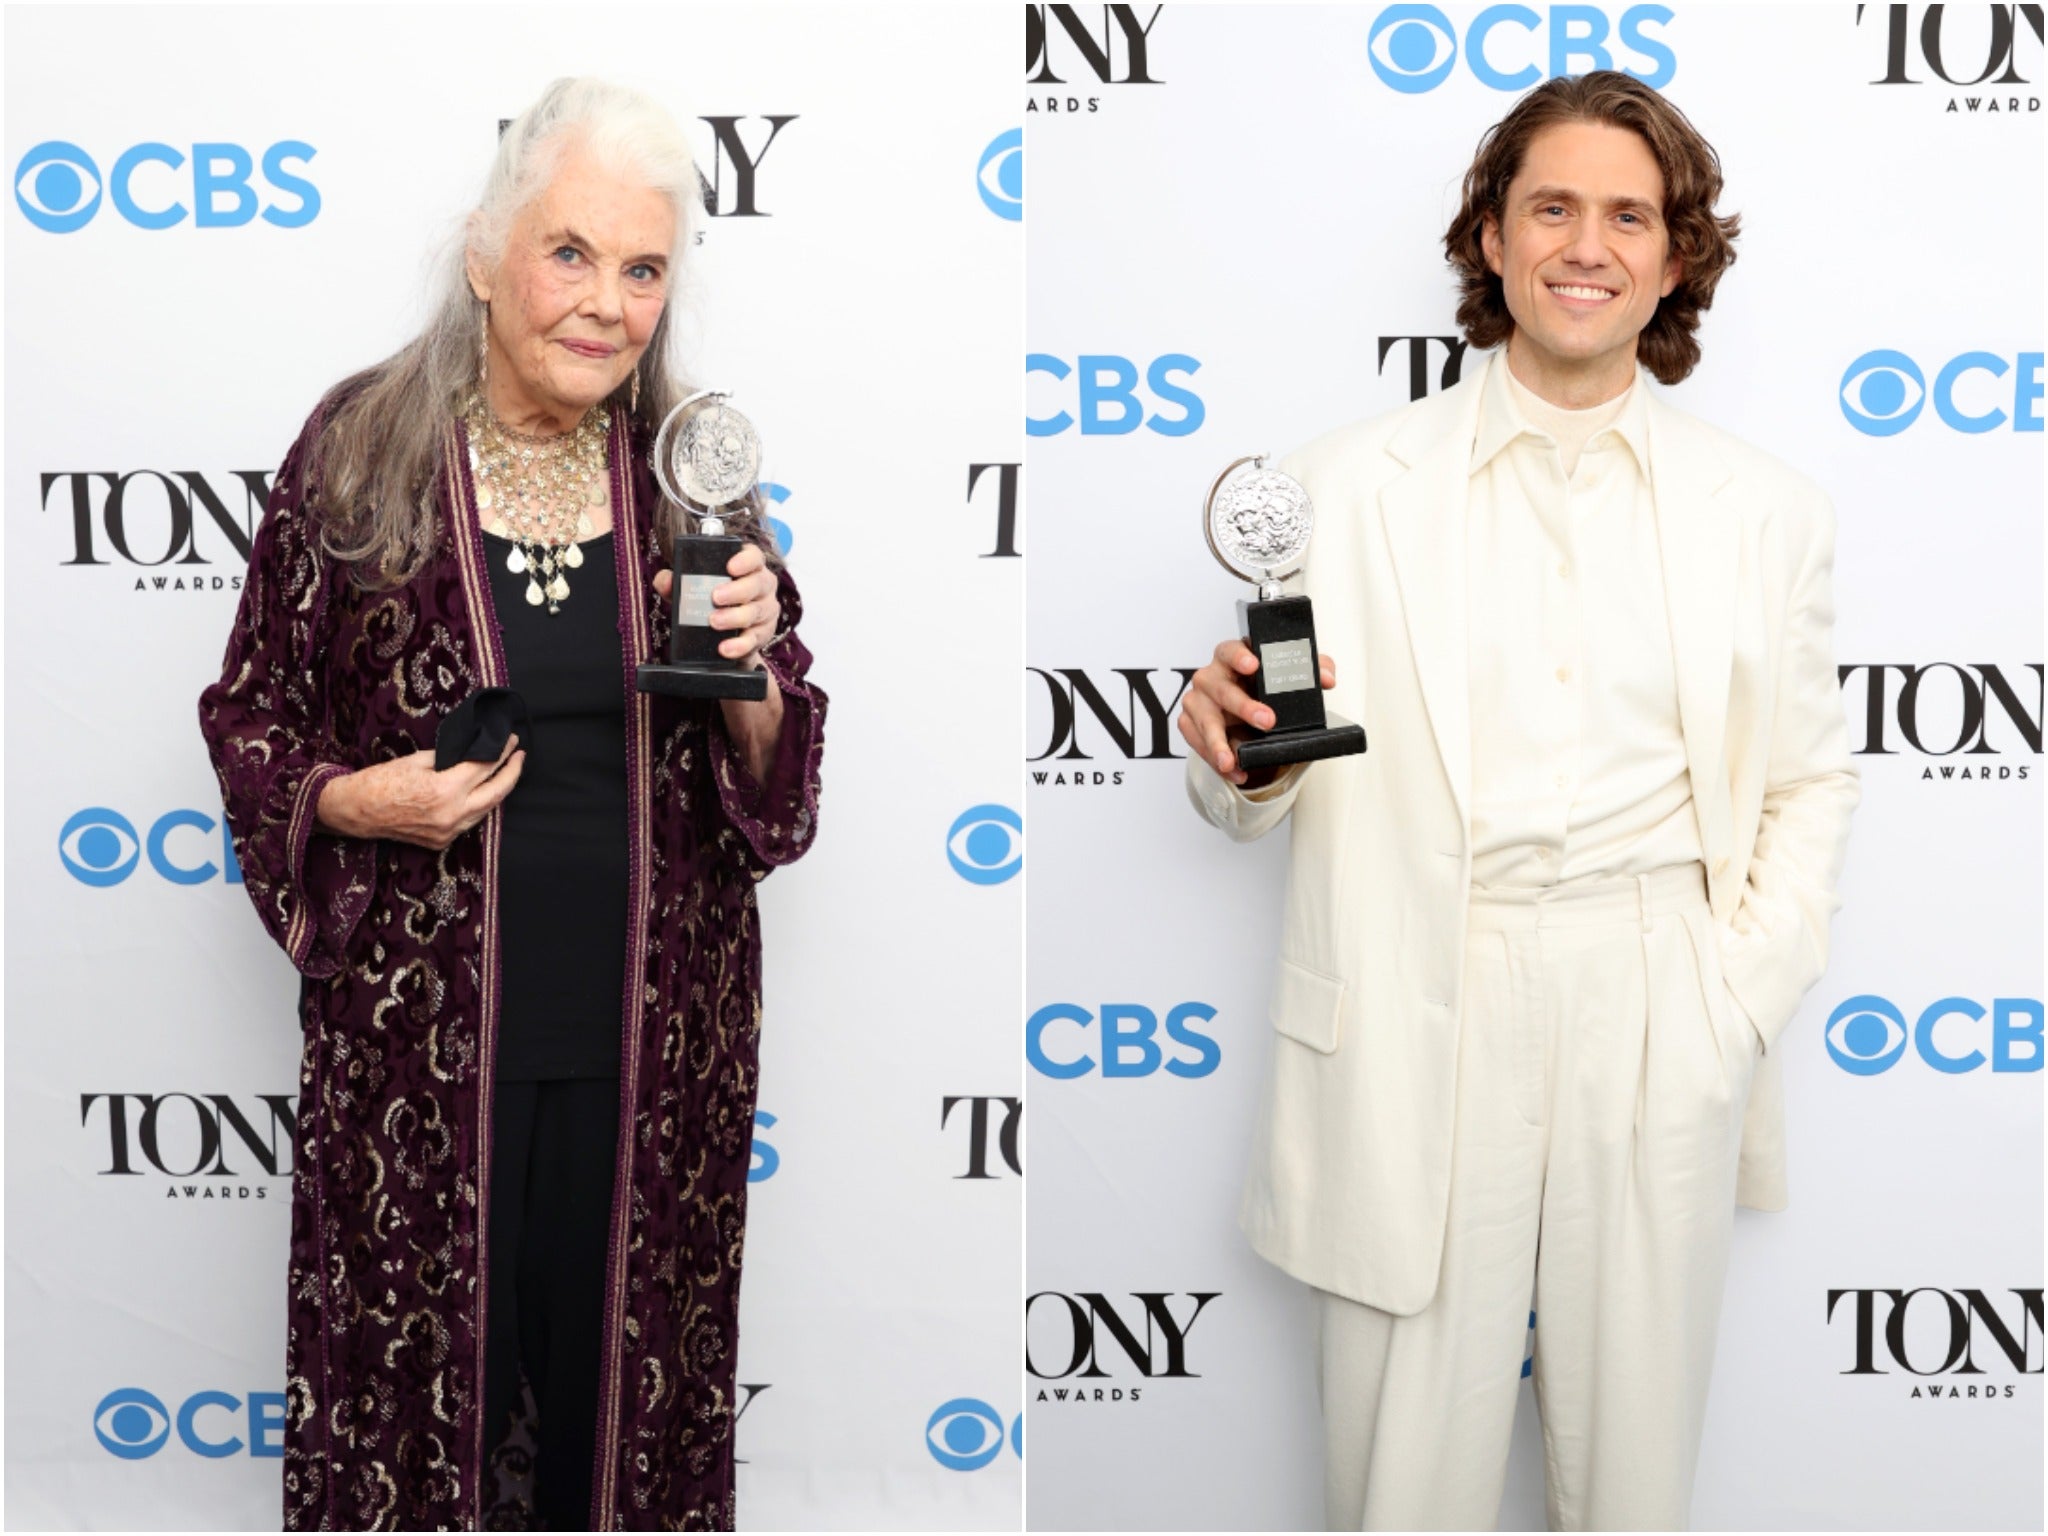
[(1703, 241)]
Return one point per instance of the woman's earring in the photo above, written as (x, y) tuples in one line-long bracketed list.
[(483, 350), (633, 396)]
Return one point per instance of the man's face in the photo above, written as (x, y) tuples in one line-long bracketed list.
[(1581, 248)]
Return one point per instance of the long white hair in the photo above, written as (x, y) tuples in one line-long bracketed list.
[(379, 449)]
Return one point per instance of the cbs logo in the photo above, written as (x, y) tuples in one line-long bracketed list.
[(1127, 1034), (1868, 1034), (100, 848), (1413, 48), (781, 532), (1105, 394), (1000, 176), (966, 1434), (58, 187), (134, 1425), (985, 844), (765, 1159), (1884, 392)]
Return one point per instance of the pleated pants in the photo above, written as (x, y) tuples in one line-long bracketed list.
[(1603, 1070)]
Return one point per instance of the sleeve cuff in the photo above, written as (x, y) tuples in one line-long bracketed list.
[(334, 877), (776, 814), (1282, 785)]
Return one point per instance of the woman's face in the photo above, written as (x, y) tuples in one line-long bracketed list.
[(577, 295)]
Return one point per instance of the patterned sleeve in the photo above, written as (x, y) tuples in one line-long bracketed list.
[(267, 731), (778, 815)]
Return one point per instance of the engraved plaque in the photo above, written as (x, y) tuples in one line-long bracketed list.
[(693, 598), (1288, 665)]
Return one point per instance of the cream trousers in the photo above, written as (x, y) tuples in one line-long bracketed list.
[(1602, 1074)]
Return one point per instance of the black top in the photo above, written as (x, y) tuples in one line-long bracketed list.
[(563, 872)]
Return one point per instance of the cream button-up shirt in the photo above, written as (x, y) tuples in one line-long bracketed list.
[(1578, 758)]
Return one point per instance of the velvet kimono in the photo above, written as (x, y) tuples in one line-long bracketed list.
[(397, 946)]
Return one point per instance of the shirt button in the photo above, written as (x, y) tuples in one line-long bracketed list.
[(1563, 569), (1563, 779), (1564, 674)]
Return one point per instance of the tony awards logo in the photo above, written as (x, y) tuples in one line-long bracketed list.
[(1258, 522)]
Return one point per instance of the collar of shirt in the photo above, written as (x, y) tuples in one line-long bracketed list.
[(1501, 420)]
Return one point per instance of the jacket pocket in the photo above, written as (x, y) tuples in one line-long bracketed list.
[(1307, 1005)]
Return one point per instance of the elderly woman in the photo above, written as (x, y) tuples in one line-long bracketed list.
[(531, 986)]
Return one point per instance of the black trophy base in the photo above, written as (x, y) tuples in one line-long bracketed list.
[(695, 669), (1338, 737), (680, 682), (1281, 632)]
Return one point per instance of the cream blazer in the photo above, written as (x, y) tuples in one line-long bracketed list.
[(1350, 1174)]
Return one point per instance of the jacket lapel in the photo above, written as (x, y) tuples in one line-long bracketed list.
[(1423, 512), (1699, 541)]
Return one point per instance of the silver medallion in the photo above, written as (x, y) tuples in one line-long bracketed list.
[(707, 454), (1258, 521)]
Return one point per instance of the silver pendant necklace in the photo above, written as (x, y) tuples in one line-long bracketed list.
[(543, 564), (537, 492)]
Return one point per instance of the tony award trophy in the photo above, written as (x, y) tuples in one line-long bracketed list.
[(1258, 521), (707, 457)]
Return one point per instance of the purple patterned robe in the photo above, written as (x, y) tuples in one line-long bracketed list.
[(398, 948)]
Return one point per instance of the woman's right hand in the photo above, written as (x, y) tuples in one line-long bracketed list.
[(407, 800), (1216, 702)]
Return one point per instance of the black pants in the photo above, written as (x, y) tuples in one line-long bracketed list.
[(552, 1153)]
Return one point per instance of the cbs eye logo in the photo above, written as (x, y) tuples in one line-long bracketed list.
[(49, 186), (132, 1423), (1419, 48), (966, 1434), (1000, 176), (99, 846), (986, 844), (1866, 1035), (1882, 393)]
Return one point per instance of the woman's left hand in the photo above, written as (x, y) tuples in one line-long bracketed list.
[(746, 604)]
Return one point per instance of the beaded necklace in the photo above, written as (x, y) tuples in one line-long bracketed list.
[(537, 492)]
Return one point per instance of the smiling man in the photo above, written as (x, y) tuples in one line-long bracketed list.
[(1540, 939)]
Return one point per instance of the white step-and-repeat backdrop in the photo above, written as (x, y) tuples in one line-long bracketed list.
[(1235, 216), (219, 212)]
